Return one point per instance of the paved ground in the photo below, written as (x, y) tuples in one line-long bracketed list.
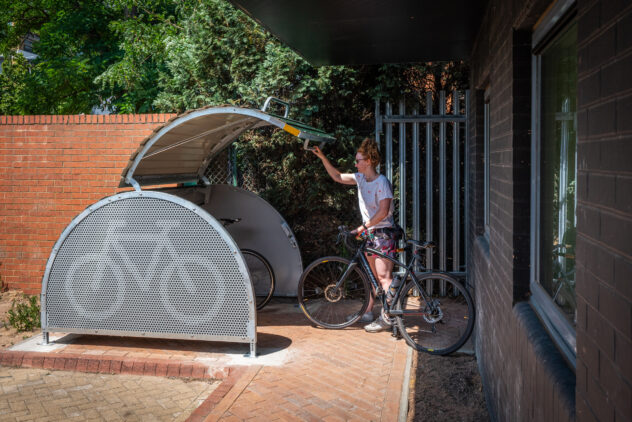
[(42, 395), (301, 373)]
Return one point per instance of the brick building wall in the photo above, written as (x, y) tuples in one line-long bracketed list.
[(604, 211), (525, 376), (51, 168)]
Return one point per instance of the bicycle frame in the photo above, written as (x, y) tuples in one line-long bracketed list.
[(364, 263)]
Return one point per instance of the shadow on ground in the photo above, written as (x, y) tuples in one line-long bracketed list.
[(266, 344)]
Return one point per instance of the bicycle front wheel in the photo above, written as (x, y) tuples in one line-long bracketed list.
[(441, 324), (328, 306), (261, 275)]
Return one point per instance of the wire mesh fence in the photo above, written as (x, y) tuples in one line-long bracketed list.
[(224, 169)]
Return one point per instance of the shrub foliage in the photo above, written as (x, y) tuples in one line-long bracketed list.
[(24, 314)]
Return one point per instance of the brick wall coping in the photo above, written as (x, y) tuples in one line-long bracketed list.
[(85, 119)]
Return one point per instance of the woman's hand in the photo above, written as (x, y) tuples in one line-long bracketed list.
[(345, 179), (318, 153), (361, 232)]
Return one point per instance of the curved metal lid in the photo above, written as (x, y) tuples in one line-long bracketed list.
[(181, 149)]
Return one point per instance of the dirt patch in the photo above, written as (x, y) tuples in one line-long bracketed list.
[(9, 335), (446, 388)]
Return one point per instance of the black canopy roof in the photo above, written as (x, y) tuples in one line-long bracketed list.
[(327, 32)]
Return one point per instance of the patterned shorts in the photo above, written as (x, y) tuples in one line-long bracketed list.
[(384, 243)]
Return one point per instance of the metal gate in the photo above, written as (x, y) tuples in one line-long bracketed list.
[(430, 202)]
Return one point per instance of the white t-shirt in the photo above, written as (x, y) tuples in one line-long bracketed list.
[(369, 196)]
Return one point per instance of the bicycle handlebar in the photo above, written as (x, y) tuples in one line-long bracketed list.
[(344, 235)]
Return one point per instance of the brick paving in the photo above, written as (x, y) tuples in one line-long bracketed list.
[(302, 372), (43, 395)]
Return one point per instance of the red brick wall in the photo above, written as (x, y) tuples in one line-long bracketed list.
[(51, 168), (604, 211), (525, 377)]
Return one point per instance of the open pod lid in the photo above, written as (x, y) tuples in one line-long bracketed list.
[(180, 150)]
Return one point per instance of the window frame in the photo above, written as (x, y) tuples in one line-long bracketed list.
[(560, 17), (486, 164)]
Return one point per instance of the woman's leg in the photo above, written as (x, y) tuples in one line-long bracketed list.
[(383, 271)]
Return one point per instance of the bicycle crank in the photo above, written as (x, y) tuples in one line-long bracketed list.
[(386, 317)]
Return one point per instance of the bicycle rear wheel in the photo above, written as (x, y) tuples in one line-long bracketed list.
[(328, 306), (441, 326), (261, 275)]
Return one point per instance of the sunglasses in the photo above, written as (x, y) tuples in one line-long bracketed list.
[(361, 159)]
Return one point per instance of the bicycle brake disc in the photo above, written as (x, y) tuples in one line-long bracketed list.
[(432, 317)]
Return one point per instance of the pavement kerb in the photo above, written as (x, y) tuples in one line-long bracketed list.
[(105, 364), (403, 401), (392, 400), (224, 395)]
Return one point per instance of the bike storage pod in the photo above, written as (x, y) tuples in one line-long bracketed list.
[(158, 263)]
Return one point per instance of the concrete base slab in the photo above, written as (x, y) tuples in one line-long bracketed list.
[(57, 341)]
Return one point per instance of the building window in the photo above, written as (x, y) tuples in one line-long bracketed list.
[(486, 166), (558, 171), (554, 182)]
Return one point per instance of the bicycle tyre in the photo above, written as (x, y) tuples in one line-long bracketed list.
[(262, 276), (325, 306), (445, 331)]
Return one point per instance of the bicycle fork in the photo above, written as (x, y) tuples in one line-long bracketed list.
[(344, 275)]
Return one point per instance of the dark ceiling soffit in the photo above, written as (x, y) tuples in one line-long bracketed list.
[(351, 32)]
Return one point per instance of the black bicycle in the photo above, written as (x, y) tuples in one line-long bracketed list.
[(261, 272), (430, 309)]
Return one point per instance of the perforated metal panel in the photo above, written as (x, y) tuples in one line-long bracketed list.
[(148, 264)]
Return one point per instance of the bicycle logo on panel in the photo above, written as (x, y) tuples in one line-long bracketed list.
[(113, 263)]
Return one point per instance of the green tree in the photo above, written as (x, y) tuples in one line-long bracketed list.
[(14, 81), (75, 46), (141, 29)]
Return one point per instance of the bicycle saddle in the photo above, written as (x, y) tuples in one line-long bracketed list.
[(425, 245)]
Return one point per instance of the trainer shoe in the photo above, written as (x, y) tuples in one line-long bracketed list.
[(377, 326), (367, 317)]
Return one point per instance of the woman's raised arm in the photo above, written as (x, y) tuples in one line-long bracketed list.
[(334, 173)]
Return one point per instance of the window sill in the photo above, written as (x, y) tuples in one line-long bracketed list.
[(558, 327)]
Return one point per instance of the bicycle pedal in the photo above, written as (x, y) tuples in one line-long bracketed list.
[(395, 331)]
